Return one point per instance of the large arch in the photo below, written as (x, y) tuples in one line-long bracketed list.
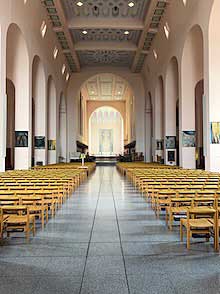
[(106, 131), (62, 129), (10, 135), (52, 121), (39, 112), (159, 121), (137, 102), (213, 150), (191, 74), (170, 113), (17, 70), (118, 105)]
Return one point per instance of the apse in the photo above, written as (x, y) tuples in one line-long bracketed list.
[(106, 132)]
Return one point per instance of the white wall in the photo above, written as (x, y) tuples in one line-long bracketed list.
[(28, 17), (213, 105), (180, 19)]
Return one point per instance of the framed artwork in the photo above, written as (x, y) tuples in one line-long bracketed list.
[(51, 144), (215, 132), (171, 156), (159, 144), (170, 142), (21, 138), (189, 139), (39, 142)]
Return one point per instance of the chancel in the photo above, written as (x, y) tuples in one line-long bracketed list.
[(109, 146)]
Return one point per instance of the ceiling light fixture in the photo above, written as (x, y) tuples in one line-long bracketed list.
[(84, 32), (79, 3), (126, 32), (131, 4)]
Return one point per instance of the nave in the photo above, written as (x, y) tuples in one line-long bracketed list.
[(106, 239)]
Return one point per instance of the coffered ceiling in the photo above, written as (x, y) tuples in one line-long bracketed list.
[(105, 87), (105, 32)]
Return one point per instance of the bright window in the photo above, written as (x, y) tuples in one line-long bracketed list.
[(63, 69), (155, 54), (55, 52), (43, 29), (167, 30)]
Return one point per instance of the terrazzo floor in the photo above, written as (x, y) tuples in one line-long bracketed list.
[(106, 239)]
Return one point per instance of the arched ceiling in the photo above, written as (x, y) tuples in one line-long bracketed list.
[(105, 87), (114, 33)]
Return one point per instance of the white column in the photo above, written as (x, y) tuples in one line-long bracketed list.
[(3, 102), (63, 143), (52, 128), (148, 132)]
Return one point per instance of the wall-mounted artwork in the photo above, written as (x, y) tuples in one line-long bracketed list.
[(171, 156), (189, 139), (39, 142), (215, 132), (170, 142), (51, 144), (21, 138), (159, 144)]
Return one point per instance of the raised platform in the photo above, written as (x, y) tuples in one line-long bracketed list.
[(106, 160)]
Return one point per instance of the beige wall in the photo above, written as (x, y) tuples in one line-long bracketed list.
[(181, 20), (28, 19)]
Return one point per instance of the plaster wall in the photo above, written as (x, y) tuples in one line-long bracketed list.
[(28, 17)]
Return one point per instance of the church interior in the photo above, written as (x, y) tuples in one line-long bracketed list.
[(109, 146)]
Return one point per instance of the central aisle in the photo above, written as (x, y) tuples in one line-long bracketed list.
[(105, 240)]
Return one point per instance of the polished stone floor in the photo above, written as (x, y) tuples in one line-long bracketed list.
[(105, 240)]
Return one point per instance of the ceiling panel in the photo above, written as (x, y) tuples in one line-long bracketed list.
[(105, 8), (114, 33), (105, 57), (92, 88), (106, 35), (106, 87)]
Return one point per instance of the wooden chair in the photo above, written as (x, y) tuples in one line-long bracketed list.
[(178, 207), (163, 200), (36, 207), (3, 219), (18, 219), (199, 220)]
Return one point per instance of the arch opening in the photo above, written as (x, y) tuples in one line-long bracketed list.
[(17, 72), (191, 153), (108, 91), (106, 132), (39, 154), (10, 138), (171, 113)]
